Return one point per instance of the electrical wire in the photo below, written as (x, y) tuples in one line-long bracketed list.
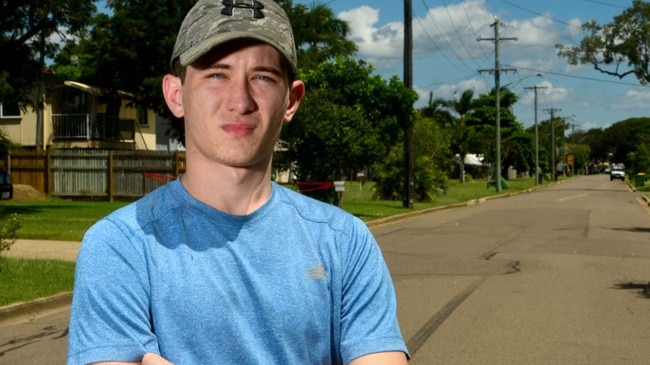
[(579, 77)]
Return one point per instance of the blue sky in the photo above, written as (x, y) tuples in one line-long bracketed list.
[(447, 55)]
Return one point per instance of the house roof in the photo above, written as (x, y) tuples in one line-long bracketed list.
[(95, 90)]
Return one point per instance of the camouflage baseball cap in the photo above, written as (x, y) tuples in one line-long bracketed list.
[(213, 22)]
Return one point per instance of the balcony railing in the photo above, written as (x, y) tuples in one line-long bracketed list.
[(102, 128)]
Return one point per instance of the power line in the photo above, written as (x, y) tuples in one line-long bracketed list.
[(537, 13), (606, 4), (580, 77), (460, 59)]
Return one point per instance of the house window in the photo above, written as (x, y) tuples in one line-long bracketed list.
[(9, 110), (74, 102), (143, 116)]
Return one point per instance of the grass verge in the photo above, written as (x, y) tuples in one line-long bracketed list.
[(23, 280), (358, 199), (57, 219)]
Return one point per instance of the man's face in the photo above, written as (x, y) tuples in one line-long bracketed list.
[(234, 100)]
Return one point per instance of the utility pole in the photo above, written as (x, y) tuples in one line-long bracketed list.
[(497, 88), (535, 88), (553, 168), (409, 182)]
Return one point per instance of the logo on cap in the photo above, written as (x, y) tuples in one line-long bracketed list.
[(230, 5)]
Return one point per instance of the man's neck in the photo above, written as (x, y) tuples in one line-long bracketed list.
[(237, 191)]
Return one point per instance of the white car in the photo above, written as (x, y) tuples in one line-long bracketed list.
[(617, 172)]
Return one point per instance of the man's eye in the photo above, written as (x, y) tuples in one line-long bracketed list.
[(265, 78)]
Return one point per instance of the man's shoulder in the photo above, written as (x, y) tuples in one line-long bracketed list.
[(148, 208), (314, 210)]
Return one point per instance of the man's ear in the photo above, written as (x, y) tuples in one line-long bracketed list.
[(172, 91), (295, 96)]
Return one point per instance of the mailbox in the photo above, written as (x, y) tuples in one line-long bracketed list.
[(339, 186)]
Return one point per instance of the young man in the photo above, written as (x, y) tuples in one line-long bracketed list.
[(222, 266)]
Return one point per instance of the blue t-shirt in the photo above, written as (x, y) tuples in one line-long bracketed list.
[(295, 282)]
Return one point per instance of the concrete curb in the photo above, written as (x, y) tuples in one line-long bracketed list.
[(399, 217), (35, 307)]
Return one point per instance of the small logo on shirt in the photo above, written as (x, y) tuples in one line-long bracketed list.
[(316, 272)]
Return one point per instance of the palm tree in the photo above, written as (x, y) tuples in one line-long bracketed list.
[(462, 107)]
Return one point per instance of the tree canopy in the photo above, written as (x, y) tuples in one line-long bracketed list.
[(29, 33), (619, 48), (347, 121)]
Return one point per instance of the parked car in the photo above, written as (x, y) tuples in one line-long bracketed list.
[(6, 187), (617, 172)]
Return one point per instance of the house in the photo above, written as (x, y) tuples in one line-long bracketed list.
[(77, 115)]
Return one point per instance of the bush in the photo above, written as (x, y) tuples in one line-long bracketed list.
[(8, 234), (389, 178)]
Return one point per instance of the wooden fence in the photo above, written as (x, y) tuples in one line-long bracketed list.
[(97, 174)]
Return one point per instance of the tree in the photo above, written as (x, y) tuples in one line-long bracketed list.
[(516, 144), (641, 159), (625, 136), (619, 48), (436, 110), (462, 107), (130, 49), (319, 35), (27, 38), (432, 139), (389, 179), (347, 121)]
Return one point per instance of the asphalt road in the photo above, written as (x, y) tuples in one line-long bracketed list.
[(555, 276), (550, 277)]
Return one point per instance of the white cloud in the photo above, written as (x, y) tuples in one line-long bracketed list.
[(454, 28), (638, 98), (553, 94), (573, 29), (373, 42)]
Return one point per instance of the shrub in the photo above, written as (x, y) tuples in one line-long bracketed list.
[(389, 178), (8, 234)]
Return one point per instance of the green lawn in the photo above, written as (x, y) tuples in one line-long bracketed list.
[(57, 219), (23, 280), (359, 201)]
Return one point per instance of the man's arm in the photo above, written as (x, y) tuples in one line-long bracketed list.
[(148, 359), (381, 358)]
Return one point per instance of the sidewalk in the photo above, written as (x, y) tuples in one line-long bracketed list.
[(43, 249)]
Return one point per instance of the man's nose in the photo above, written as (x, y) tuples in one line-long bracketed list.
[(240, 98)]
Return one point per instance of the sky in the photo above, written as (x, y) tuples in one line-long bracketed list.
[(447, 54)]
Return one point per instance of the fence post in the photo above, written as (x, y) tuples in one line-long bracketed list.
[(111, 177), (48, 175)]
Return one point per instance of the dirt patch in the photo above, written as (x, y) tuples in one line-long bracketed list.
[(27, 193)]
